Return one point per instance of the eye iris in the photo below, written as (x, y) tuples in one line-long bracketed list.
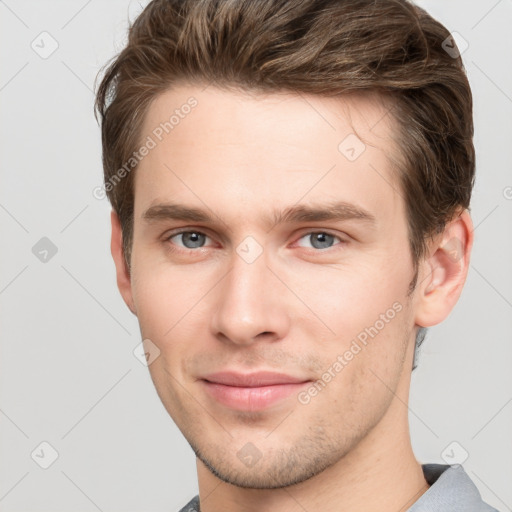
[(321, 240), (192, 239)]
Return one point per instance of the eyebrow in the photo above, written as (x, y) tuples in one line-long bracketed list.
[(336, 211)]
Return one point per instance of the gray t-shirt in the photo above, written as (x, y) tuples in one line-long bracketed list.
[(451, 491)]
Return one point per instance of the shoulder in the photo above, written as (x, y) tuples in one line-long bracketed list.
[(191, 506), (451, 489)]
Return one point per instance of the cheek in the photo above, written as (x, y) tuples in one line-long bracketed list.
[(172, 307), (365, 321), (362, 372), (347, 299), (163, 299)]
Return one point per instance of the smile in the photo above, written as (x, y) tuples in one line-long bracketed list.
[(251, 392)]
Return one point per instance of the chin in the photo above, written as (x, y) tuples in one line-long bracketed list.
[(282, 469)]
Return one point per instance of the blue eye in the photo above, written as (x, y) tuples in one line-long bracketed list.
[(190, 239), (320, 240), (196, 240)]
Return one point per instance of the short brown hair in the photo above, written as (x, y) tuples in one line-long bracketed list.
[(324, 47)]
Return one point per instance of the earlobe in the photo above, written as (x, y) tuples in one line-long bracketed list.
[(122, 271), (444, 272)]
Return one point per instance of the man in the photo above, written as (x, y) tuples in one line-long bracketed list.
[(290, 183)]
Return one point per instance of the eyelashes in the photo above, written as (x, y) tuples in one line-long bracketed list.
[(318, 238), (192, 240)]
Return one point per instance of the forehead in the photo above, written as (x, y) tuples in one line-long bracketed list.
[(247, 147), (259, 114)]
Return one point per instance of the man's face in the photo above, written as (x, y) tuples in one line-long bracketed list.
[(247, 292)]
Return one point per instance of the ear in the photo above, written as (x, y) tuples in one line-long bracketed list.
[(444, 272), (122, 271)]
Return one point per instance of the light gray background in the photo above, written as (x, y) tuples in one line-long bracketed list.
[(68, 374)]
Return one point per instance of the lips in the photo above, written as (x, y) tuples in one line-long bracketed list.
[(253, 391)]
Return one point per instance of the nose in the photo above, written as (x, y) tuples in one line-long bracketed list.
[(248, 302)]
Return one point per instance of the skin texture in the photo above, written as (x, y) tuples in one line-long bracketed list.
[(296, 308)]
